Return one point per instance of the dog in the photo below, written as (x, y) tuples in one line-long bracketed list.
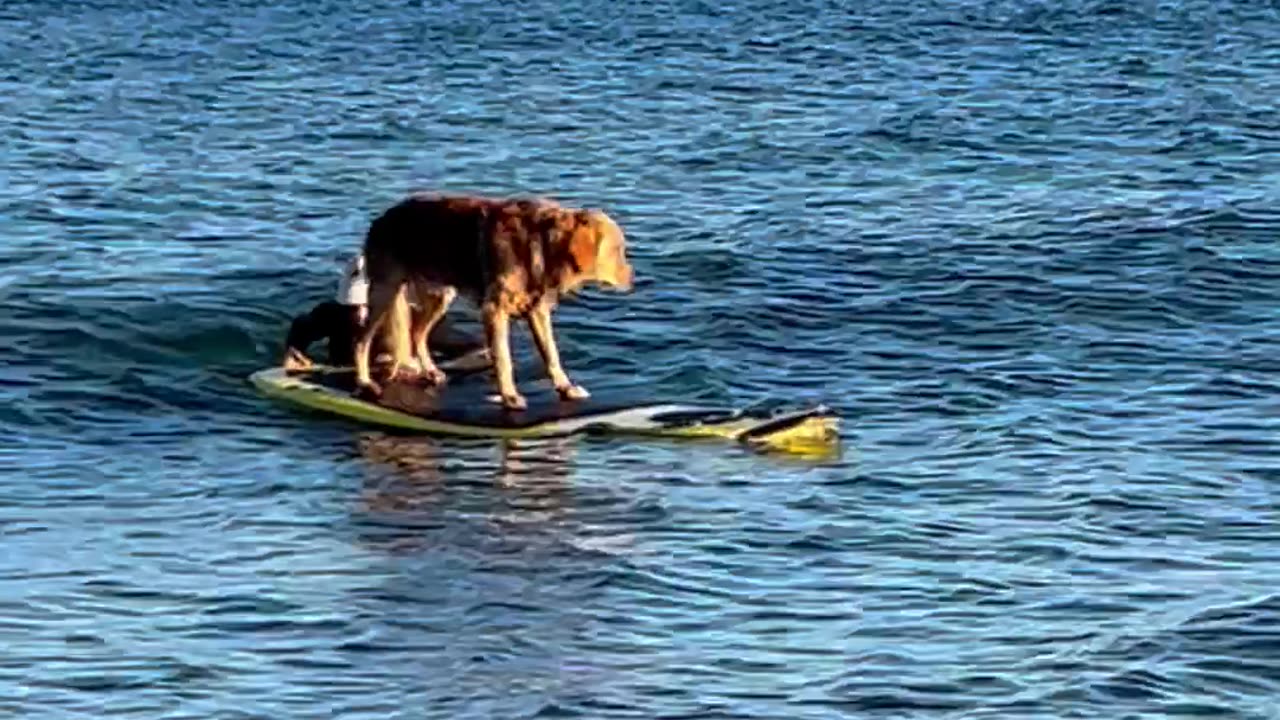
[(512, 257)]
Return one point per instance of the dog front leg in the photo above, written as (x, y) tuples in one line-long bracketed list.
[(539, 320), (497, 333)]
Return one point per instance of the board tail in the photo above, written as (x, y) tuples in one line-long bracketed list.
[(813, 432)]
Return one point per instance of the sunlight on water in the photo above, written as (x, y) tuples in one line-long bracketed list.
[(1023, 250)]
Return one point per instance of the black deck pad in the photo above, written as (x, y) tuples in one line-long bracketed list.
[(465, 401)]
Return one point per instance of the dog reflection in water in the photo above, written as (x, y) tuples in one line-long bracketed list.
[(416, 485)]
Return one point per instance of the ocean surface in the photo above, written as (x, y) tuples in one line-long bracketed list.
[(1029, 251)]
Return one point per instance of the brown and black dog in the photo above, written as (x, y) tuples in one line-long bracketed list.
[(511, 257)]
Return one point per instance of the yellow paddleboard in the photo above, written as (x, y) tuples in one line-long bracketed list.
[(466, 411)]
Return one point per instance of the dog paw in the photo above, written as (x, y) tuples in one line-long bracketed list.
[(368, 391), (573, 392), (514, 401), (432, 376), (295, 361), (402, 374)]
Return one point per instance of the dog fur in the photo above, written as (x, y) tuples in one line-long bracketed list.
[(512, 257)]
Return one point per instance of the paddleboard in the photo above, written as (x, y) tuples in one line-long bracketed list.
[(463, 409)]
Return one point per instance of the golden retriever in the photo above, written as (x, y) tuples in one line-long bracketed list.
[(511, 257)]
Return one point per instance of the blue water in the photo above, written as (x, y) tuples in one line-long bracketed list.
[(1027, 250)]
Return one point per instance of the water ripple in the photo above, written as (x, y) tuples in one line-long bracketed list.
[(1025, 249)]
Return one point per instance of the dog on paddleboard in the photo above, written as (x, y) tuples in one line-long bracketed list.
[(512, 257)]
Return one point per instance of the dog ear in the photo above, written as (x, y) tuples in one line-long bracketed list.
[(583, 241)]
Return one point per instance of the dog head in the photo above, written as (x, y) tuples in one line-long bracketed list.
[(597, 249)]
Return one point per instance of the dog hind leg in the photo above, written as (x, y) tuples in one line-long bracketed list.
[(398, 338), (383, 292), (433, 302)]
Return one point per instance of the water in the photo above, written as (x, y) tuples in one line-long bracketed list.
[(1027, 250)]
